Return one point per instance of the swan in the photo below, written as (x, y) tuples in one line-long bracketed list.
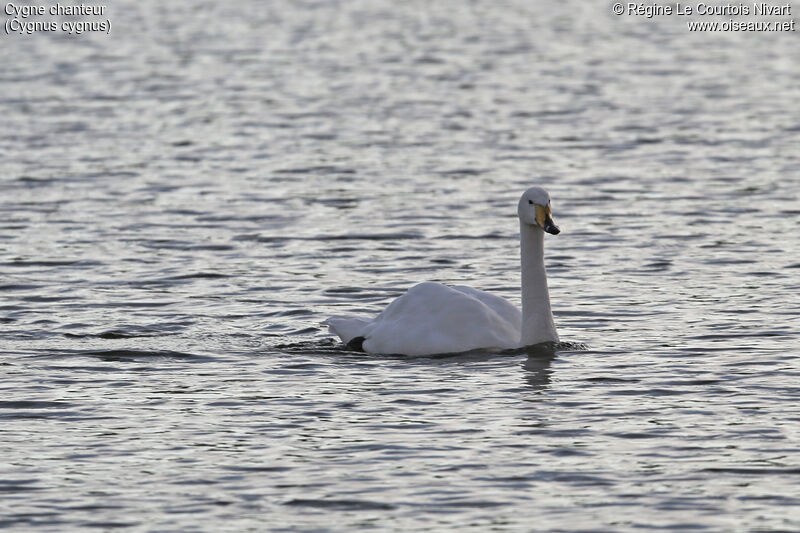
[(431, 318)]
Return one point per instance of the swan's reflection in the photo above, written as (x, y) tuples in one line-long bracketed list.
[(537, 365)]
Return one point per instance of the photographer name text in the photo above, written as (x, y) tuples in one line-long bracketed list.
[(734, 10)]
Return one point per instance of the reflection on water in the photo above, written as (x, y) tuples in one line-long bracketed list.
[(537, 365)]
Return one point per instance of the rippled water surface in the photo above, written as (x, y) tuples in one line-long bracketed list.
[(185, 200)]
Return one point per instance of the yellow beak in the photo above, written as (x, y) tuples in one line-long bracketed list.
[(544, 217)]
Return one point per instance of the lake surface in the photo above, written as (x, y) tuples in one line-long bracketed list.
[(185, 200)]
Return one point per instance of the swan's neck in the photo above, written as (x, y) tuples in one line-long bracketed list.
[(537, 317)]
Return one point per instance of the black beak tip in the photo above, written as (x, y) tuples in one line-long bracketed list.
[(552, 230)]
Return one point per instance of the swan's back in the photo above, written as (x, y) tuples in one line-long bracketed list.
[(433, 318)]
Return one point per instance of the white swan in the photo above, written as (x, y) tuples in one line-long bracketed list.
[(432, 318)]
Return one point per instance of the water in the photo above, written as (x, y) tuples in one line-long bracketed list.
[(186, 199)]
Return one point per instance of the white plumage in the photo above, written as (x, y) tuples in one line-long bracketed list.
[(431, 318)]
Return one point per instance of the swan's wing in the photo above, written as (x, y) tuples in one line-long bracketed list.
[(433, 318), (508, 311), (347, 328)]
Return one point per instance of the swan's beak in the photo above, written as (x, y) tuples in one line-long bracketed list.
[(544, 217)]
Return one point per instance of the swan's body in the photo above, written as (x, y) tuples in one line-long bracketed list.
[(432, 318)]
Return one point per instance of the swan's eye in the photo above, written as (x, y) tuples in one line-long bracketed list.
[(530, 202)]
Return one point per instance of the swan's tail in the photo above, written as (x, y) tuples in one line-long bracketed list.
[(346, 328)]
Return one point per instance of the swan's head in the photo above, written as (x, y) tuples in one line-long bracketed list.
[(534, 210)]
